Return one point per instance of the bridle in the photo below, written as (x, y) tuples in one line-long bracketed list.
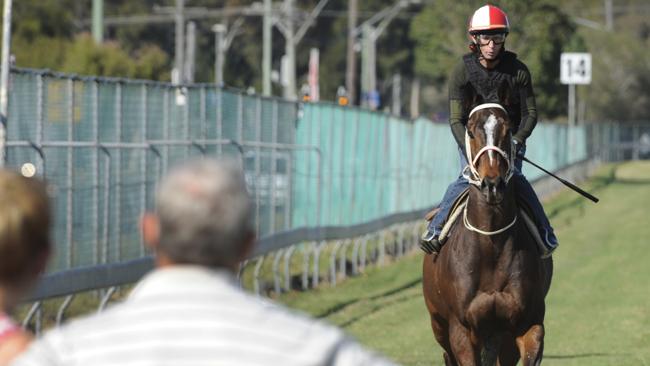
[(471, 173)]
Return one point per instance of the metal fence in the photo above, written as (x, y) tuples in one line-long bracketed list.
[(102, 144), (332, 185)]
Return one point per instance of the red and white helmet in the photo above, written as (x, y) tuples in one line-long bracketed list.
[(488, 18)]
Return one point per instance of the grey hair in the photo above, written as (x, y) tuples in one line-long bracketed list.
[(205, 213)]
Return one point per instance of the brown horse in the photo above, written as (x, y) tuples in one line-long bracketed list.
[(485, 290)]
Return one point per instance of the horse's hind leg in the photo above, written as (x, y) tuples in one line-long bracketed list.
[(531, 345)]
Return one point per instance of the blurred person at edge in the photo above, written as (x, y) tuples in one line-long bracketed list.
[(24, 251), (190, 310)]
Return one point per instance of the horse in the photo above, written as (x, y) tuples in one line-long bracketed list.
[(485, 290)]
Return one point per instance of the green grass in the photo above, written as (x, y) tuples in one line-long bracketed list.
[(598, 309)]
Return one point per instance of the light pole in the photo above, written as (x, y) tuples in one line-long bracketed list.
[(370, 33), (219, 34), (177, 73), (190, 52), (4, 78), (290, 51), (98, 21), (266, 48), (351, 67), (222, 40), (286, 27)]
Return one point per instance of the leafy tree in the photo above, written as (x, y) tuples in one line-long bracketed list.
[(44, 36)]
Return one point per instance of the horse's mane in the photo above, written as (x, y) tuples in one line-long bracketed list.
[(471, 98)]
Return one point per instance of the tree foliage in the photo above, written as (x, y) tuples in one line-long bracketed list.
[(44, 37), (424, 42)]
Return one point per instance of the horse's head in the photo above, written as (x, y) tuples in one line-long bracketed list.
[(490, 153)]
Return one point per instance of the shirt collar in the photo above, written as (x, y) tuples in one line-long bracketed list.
[(164, 280)]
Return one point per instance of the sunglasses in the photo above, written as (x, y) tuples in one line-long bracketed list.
[(484, 39)]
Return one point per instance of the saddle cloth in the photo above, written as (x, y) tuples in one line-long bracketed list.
[(459, 205)]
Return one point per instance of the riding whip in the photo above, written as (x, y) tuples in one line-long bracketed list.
[(564, 181)]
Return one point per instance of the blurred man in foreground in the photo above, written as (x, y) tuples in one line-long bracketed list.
[(190, 309), (24, 250)]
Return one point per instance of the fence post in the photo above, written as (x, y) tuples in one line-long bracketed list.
[(258, 173), (118, 171), (276, 271), (69, 179), (143, 160), (287, 267), (95, 99), (256, 275), (305, 264), (273, 175), (317, 250), (337, 245)]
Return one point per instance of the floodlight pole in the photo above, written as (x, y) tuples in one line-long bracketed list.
[(4, 78), (266, 48), (179, 64)]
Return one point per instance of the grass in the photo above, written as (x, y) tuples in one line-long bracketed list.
[(598, 309)]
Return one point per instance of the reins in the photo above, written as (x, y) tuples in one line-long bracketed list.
[(488, 233)]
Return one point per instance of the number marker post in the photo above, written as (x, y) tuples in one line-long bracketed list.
[(575, 68)]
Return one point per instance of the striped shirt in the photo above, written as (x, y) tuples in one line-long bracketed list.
[(189, 315)]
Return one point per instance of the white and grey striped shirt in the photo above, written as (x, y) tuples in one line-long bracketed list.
[(188, 315)]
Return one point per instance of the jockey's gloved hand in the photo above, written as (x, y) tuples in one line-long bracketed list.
[(519, 147)]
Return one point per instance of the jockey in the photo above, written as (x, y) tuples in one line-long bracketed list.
[(483, 70)]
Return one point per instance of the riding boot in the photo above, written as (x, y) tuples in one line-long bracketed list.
[(430, 243), (549, 240)]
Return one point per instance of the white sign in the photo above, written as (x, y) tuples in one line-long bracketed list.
[(575, 68)]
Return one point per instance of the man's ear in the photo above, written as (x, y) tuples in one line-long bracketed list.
[(150, 228)]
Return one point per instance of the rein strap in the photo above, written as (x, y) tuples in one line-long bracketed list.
[(488, 233)]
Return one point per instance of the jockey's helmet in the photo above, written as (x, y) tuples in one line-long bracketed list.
[(488, 19)]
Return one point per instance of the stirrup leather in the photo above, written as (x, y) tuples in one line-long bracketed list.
[(544, 250)]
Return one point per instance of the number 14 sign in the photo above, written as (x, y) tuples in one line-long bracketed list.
[(575, 68)]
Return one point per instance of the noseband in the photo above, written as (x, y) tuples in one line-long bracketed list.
[(470, 172)]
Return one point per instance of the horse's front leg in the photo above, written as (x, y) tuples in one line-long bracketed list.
[(531, 345), (463, 345)]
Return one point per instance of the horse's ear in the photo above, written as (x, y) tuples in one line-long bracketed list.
[(504, 93)]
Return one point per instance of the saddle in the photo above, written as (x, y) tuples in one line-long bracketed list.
[(459, 205)]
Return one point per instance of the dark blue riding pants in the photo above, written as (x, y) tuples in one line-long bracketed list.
[(523, 187)]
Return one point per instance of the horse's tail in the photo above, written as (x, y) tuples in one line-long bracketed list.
[(490, 349)]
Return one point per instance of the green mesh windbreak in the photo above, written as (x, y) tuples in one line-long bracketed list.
[(365, 165)]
